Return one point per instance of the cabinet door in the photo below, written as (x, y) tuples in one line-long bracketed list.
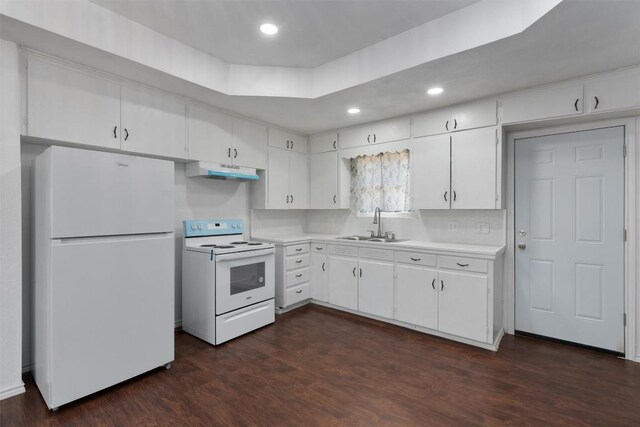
[(617, 91), (557, 101), (249, 144), (417, 296), (356, 136), (473, 169), (391, 130), (153, 123), (67, 104), (298, 180), (209, 135), (375, 288), (432, 123), (463, 305), (320, 277), (343, 282), (278, 179), (323, 142), (475, 115), (431, 166), (323, 180), (287, 140)]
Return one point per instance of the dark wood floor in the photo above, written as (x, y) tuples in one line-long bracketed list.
[(317, 366)]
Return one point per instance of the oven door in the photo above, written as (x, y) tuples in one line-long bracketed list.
[(244, 278)]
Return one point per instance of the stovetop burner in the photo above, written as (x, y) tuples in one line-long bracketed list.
[(255, 243), (239, 243), (216, 246)]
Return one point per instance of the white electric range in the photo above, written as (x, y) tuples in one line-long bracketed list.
[(227, 282)]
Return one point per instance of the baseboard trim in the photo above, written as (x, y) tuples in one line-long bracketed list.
[(12, 391), (177, 324), (27, 368)]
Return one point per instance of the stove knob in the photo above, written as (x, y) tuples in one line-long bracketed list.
[(193, 226), (234, 226), (199, 226), (239, 226)]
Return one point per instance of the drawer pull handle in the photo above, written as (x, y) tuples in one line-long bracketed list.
[(299, 275), (114, 132), (462, 265), (433, 284), (298, 250), (319, 248), (360, 272), (299, 291), (323, 267), (298, 261), (416, 259)]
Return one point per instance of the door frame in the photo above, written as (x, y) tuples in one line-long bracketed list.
[(630, 291)]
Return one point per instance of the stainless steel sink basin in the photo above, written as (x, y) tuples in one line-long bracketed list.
[(354, 237), (371, 239)]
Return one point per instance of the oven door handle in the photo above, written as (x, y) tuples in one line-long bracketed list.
[(245, 255)]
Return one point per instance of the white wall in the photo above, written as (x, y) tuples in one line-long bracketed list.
[(195, 198), (10, 237)]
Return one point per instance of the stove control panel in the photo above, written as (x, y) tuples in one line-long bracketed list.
[(213, 227)]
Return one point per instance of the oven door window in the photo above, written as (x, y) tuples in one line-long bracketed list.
[(247, 277)]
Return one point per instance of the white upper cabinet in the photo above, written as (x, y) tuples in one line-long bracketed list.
[(298, 180), (152, 123), (285, 184), (466, 116), (287, 140), (323, 181), (209, 135), (68, 104), (616, 91), (278, 179), (374, 133), (323, 142), (474, 169), (546, 103), (431, 166), (249, 144)]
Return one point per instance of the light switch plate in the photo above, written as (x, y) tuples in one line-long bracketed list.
[(483, 228), (453, 226)]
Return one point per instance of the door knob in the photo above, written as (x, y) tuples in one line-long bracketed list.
[(522, 246)]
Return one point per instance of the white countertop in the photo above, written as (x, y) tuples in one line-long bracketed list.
[(489, 250)]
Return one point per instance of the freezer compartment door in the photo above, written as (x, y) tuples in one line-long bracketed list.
[(100, 194), (111, 312)]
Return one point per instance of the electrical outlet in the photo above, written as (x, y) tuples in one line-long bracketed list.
[(453, 226), (483, 228)]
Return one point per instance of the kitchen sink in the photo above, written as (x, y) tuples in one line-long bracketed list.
[(354, 237), (371, 239)]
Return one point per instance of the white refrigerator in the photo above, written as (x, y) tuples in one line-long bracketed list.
[(104, 270)]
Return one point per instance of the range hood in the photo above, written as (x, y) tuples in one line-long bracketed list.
[(219, 171)]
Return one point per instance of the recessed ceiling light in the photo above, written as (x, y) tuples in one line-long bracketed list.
[(435, 91), (268, 29), (353, 110)]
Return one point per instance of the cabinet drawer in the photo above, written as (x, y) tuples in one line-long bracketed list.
[(416, 258), (298, 249), (296, 277), (319, 247), (297, 261), (297, 294), (374, 253), (343, 250), (460, 263)]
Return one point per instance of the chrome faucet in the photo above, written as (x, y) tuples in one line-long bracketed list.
[(378, 220)]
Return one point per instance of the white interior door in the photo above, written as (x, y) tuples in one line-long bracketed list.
[(569, 221)]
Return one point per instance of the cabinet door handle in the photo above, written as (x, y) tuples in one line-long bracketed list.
[(597, 102), (454, 196), (433, 284), (298, 261), (354, 272), (287, 143), (229, 153), (323, 267), (292, 198), (445, 196), (368, 140), (446, 125), (335, 143), (462, 265), (291, 145), (360, 272), (126, 134), (575, 104), (441, 285), (299, 291), (287, 198), (455, 124), (334, 198), (235, 153), (416, 259), (115, 128), (299, 275), (298, 249), (319, 248), (374, 137)]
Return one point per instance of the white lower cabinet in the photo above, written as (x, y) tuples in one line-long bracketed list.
[(343, 282), (292, 274), (320, 277), (375, 288), (463, 305), (417, 296)]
